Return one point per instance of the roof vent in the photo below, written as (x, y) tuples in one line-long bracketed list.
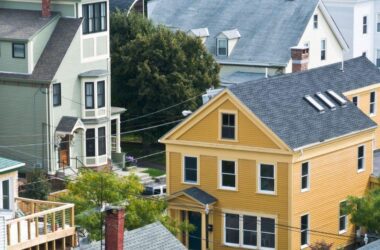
[(324, 99), (315, 104), (342, 102)]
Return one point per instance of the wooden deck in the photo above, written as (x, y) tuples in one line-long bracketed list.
[(42, 224), (374, 182)]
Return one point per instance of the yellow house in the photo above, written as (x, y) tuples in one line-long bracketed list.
[(268, 164)]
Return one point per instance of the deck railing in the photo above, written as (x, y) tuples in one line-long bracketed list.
[(40, 222)]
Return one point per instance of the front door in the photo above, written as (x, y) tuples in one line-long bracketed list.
[(195, 237), (64, 152)]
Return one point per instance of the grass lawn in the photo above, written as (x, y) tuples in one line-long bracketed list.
[(154, 172)]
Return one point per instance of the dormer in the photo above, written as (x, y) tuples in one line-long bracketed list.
[(202, 33), (226, 41)]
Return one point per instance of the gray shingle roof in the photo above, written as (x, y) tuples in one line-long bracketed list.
[(21, 24), (267, 27), (279, 102), (375, 245), (53, 54), (66, 124), (240, 77), (200, 195)]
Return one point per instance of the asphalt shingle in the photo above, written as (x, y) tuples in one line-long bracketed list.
[(200, 195), (279, 102)]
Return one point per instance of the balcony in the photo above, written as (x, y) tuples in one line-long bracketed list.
[(41, 223)]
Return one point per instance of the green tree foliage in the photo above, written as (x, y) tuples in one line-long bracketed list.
[(93, 190), (38, 186), (365, 211), (154, 68)]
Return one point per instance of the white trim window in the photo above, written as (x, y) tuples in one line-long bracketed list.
[(249, 231), (342, 218), (315, 21), (378, 58), (372, 103), (378, 22), (222, 48), (355, 100), (305, 236), (305, 176), (190, 170), (228, 126), (365, 24), (267, 178), (323, 49), (228, 175), (6, 194), (361, 157), (96, 142)]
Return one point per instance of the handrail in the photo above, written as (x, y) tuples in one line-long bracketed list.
[(40, 201)]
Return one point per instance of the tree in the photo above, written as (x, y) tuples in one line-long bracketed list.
[(92, 191), (37, 187), (365, 211), (321, 245), (154, 68)]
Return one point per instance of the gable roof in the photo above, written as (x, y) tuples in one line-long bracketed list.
[(22, 24), (267, 28), (279, 102), (53, 54), (198, 195)]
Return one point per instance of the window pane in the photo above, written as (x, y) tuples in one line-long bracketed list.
[(228, 180), (102, 141), (267, 170), (267, 240), (250, 222), (232, 236), (232, 221), (361, 151), (304, 182), (303, 238), (101, 94), (191, 169), (267, 225), (267, 184), (6, 201), (232, 228), (250, 238), (56, 94), (305, 168), (304, 222), (228, 132), (190, 162), (228, 167), (18, 50), (190, 175), (342, 223), (89, 92), (90, 142), (373, 96)]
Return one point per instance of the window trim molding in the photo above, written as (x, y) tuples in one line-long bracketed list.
[(365, 25), (378, 22), (357, 159), (60, 94), (13, 50), (11, 195), (303, 190), (217, 46), (220, 177), (315, 27), (307, 230), (183, 170), (346, 220), (258, 181), (374, 103), (107, 13), (325, 50), (220, 124), (357, 100)]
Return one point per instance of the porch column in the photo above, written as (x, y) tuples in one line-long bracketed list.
[(204, 228), (118, 148)]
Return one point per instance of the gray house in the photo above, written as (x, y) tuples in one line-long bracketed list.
[(55, 84)]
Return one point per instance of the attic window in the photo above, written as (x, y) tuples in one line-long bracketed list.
[(314, 103), (338, 98), (326, 101), (222, 47)]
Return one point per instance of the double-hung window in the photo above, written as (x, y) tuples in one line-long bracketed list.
[(6, 194), (372, 103), (190, 169), (355, 100), (305, 230), (228, 126), (378, 22), (222, 47), (266, 178), (361, 158), (102, 141), (342, 217), (305, 176), (315, 21), (378, 58), (228, 175), (56, 94), (90, 142), (94, 17), (18, 50), (365, 24), (248, 231), (101, 94), (323, 50), (89, 93)]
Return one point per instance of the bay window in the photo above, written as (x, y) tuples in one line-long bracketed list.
[(90, 142), (89, 93), (94, 17), (101, 94)]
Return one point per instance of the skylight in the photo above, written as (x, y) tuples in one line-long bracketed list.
[(337, 97), (329, 103), (314, 103)]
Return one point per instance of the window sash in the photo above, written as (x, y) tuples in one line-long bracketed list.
[(361, 158), (378, 22), (89, 93), (95, 17), (323, 50), (304, 230), (305, 176), (56, 94), (190, 169), (6, 194), (90, 142), (315, 21), (101, 94), (222, 47), (228, 126), (18, 50), (267, 183), (101, 141), (355, 100), (372, 104), (365, 24), (228, 177)]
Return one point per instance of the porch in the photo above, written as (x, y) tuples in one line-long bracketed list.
[(41, 224)]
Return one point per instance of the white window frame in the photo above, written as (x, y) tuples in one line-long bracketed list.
[(228, 112), (372, 103), (99, 159), (183, 170), (307, 177), (363, 158), (315, 22), (365, 25), (307, 230), (259, 179), (11, 194), (343, 231), (241, 230), (323, 49), (357, 100), (378, 22), (217, 47), (221, 176), (98, 111)]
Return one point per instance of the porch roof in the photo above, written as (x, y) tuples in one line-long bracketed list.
[(7, 164), (198, 195), (68, 124)]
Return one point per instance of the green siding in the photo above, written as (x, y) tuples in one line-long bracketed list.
[(41, 39), (10, 64)]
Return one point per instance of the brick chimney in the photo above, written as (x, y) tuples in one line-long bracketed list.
[(46, 4), (114, 228), (300, 58)]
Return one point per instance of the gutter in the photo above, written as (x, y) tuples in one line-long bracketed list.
[(20, 80), (300, 149), (249, 63)]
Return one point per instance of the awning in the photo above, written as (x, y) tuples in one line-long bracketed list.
[(68, 124), (195, 194), (7, 165)]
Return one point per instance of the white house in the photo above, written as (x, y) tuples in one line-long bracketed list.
[(359, 21), (252, 38)]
